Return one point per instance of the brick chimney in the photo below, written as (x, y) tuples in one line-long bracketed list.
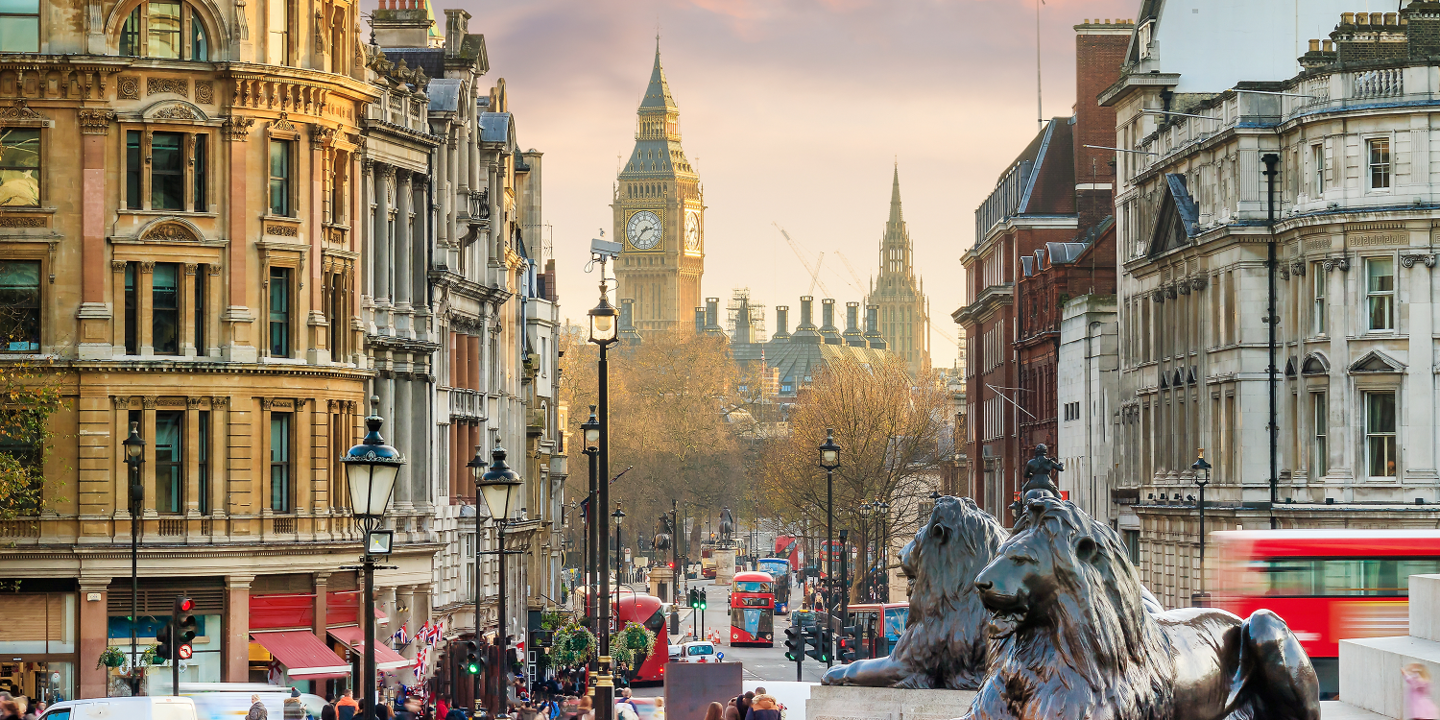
[(1099, 52), (402, 23)]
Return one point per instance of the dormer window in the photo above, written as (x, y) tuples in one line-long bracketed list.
[(164, 29)]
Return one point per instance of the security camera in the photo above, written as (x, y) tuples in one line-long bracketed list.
[(604, 248)]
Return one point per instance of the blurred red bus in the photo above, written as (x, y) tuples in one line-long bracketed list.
[(646, 610), (1328, 585)]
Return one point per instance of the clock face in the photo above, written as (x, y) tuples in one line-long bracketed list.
[(692, 231), (643, 230)]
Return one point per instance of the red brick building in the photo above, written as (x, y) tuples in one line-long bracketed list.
[(1055, 193)]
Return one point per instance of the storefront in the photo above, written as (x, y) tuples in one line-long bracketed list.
[(38, 648), (285, 648)]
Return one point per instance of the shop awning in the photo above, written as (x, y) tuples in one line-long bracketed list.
[(352, 637), (302, 654)]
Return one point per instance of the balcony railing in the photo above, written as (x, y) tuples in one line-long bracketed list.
[(1382, 83), (467, 404)]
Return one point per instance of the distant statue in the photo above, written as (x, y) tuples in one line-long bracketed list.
[(1038, 470), (727, 526), (946, 643), (662, 538), (1085, 639)]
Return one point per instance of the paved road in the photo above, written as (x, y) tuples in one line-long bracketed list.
[(761, 663)]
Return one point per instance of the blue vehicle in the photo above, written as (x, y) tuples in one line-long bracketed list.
[(779, 569)]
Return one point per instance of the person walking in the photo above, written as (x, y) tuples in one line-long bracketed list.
[(347, 706), (716, 711), (257, 710), (293, 708), (765, 707), (659, 713), (1418, 703), (328, 712)]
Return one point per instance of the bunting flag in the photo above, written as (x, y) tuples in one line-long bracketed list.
[(400, 637), (422, 656), (423, 634)]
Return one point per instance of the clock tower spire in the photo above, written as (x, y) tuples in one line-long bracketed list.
[(659, 213), (904, 313)]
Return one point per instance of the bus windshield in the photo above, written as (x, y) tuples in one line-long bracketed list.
[(895, 619), (754, 587)]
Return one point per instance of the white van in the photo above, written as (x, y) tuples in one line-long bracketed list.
[(123, 708)]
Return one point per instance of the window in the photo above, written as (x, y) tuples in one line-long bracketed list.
[(1320, 464), (165, 308), (165, 29), (279, 312), (280, 462), (202, 453), (170, 173), (20, 26), (1380, 292), (280, 178), (1379, 151), (20, 305), (1380, 433), (277, 49), (199, 289), (1318, 279), (19, 162), (132, 311), (1072, 411), (1317, 170), (169, 465)]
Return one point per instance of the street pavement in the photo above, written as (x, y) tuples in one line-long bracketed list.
[(760, 663)]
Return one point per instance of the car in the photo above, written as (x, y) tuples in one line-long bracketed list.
[(674, 652), (702, 651), (130, 708)]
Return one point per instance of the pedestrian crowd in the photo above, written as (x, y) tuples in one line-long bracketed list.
[(19, 707)]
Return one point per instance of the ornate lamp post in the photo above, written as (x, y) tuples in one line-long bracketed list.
[(591, 430), (371, 468), (603, 333), (1201, 481), (619, 517), (882, 511), (135, 458), (829, 459), (497, 486), (863, 569)]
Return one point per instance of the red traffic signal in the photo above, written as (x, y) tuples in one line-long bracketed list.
[(185, 604), (672, 566)]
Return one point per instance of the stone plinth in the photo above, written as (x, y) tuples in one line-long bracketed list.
[(1425, 606), (724, 566), (849, 702), (662, 583)]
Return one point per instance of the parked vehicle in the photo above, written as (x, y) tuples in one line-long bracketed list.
[(128, 708), (702, 651)]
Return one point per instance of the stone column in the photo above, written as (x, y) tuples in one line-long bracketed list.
[(1418, 435), (192, 465), (400, 429), (94, 636), (366, 289), (144, 296), (236, 651), (117, 328), (94, 315), (405, 595), (239, 345), (320, 626), (402, 253), (380, 252)]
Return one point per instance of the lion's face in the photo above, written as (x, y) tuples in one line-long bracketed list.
[(958, 539), (1021, 585)]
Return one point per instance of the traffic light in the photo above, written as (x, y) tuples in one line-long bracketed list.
[(470, 657), (794, 643), (815, 645), (164, 648), (700, 598), (849, 643), (185, 626)]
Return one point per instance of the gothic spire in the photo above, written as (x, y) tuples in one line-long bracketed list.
[(657, 95), (896, 215)]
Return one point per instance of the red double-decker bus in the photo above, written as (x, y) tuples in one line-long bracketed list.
[(752, 609), (646, 610), (1328, 585)]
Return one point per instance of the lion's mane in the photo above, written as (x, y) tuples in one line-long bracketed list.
[(945, 643), (1098, 635)]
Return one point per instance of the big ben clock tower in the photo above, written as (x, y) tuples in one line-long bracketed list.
[(659, 217)]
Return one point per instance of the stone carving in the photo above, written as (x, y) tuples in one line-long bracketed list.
[(175, 112), (283, 123), (1199, 282), (236, 128), (1170, 291), (1338, 261), (117, 266), (281, 230), (128, 87), (1284, 271), (24, 221), (1087, 640), (95, 121), (1408, 259), (1183, 285), (1297, 268), (20, 111), (147, 402), (242, 26), (219, 402), (169, 232), (177, 86), (945, 644), (205, 92)]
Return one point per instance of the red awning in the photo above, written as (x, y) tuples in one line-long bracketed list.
[(385, 658), (302, 654)]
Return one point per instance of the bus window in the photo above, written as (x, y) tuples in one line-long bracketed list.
[(1289, 577), (754, 587), (895, 619)]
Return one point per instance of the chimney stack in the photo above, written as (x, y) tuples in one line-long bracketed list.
[(853, 337), (782, 323), (827, 324), (700, 319), (457, 26), (805, 331), (872, 327)]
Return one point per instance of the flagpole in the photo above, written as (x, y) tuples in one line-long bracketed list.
[(1039, 106)]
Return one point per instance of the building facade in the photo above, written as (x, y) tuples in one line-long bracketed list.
[(1342, 150), (1086, 395), (1055, 193), (898, 294), (659, 208)]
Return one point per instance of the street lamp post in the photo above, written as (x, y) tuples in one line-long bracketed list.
[(883, 554), (497, 486), (863, 569), (829, 459), (845, 584), (371, 468), (675, 564), (603, 333), (619, 516), (591, 430), (135, 457), (1201, 466)]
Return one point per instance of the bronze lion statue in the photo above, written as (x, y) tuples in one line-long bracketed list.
[(945, 643), (1084, 644)]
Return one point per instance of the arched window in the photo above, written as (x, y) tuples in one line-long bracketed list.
[(167, 29)]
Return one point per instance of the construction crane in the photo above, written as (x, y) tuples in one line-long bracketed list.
[(858, 284), (814, 271)]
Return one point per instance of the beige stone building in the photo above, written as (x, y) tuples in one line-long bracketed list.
[(179, 233)]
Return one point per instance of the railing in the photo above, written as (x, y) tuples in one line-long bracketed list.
[(19, 528), (171, 527), (466, 404), (1383, 83), (284, 525)]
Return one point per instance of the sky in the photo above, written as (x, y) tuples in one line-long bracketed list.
[(793, 112)]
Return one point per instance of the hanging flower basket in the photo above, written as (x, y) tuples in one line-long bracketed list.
[(633, 639), (572, 645), (111, 658)]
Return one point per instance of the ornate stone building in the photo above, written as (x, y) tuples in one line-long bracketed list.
[(1348, 140), (898, 294), (659, 217)]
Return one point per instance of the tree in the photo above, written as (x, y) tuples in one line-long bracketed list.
[(30, 395), (888, 426)]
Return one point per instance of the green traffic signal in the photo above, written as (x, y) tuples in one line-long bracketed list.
[(472, 668)]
